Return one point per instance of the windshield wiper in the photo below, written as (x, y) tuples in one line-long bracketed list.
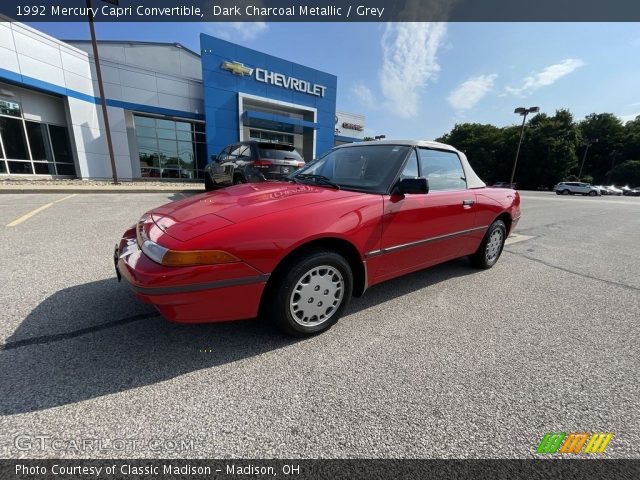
[(319, 179)]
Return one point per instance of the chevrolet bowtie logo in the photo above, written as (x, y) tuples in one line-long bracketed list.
[(237, 68)]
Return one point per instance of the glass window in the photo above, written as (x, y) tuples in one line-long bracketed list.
[(183, 126), (15, 144), (3, 167), (42, 168), (244, 152), (66, 169), (442, 169), (146, 132), (38, 141), (184, 136), (411, 168), (23, 168), (60, 143), (201, 155), (145, 122), (150, 172), (235, 150), (224, 155), (167, 148), (10, 108), (369, 168), (166, 134), (166, 124), (278, 152), (185, 152), (148, 158)]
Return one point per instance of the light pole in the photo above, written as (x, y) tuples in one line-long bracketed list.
[(103, 99), (524, 112), (584, 157)]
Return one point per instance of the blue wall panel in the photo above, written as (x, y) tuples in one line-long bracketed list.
[(221, 89)]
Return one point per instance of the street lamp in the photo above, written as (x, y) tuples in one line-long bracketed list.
[(584, 157), (524, 112)]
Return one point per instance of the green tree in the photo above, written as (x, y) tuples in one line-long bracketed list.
[(482, 145), (610, 132), (632, 138), (549, 150), (627, 173)]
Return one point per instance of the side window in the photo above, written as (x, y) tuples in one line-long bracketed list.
[(442, 169), (244, 152), (224, 155), (411, 168), (234, 153)]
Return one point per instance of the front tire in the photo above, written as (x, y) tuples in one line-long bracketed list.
[(208, 183), (565, 192), (592, 193), (238, 179), (491, 247), (311, 294)]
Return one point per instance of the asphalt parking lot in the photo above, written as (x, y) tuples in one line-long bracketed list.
[(450, 362)]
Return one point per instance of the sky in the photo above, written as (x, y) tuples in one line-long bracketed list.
[(417, 80)]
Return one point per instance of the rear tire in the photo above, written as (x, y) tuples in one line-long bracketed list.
[(592, 193), (311, 294), (491, 246), (565, 192)]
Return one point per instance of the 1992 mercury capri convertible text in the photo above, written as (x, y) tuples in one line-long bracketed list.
[(296, 251)]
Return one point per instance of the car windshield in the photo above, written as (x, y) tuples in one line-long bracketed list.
[(368, 168), (278, 152)]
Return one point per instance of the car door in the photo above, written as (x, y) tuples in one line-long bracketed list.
[(221, 168), (419, 230)]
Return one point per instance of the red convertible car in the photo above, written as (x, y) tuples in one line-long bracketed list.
[(295, 251)]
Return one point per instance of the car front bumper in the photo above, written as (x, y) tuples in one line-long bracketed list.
[(198, 294)]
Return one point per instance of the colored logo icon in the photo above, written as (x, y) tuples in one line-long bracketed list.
[(573, 443), (237, 68)]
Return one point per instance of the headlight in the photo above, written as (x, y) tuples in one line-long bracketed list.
[(186, 258), (179, 258)]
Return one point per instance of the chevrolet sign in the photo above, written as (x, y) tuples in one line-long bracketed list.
[(277, 79), (291, 83), (237, 68)]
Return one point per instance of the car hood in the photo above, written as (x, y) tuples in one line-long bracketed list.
[(200, 214)]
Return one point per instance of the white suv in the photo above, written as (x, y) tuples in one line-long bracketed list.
[(570, 188)]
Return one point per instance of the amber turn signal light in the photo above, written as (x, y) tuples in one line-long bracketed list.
[(176, 258)]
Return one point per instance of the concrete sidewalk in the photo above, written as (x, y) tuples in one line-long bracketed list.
[(90, 186)]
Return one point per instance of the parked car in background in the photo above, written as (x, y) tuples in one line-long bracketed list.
[(603, 190), (571, 188), (637, 190), (251, 162), (297, 250), (630, 192), (613, 190)]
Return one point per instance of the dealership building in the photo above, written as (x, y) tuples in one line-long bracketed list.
[(170, 109)]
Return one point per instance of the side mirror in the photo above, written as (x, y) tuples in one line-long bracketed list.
[(412, 185)]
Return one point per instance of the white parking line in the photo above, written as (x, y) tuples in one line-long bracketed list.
[(515, 238), (27, 216)]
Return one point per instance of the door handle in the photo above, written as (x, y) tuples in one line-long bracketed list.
[(468, 203)]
